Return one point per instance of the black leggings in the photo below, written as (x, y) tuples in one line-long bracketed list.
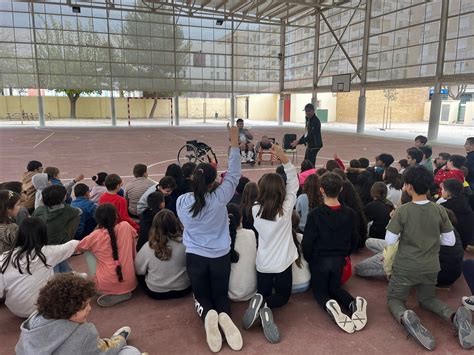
[(162, 295), (326, 275), (281, 283), (210, 283)]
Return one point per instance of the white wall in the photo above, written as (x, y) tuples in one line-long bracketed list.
[(326, 100), (453, 111)]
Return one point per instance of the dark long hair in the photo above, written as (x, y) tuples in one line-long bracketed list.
[(311, 189), (295, 223), (165, 227), (249, 196), (32, 237), (393, 177), (204, 175), (8, 200), (271, 195), (379, 192), (234, 221), (175, 171), (106, 217), (351, 198)]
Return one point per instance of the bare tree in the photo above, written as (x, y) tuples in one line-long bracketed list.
[(456, 91)]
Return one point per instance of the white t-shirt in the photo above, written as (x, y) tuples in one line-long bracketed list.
[(301, 276), (21, 290), (161, 275), (276, 249), (394, 195), (243, 274)]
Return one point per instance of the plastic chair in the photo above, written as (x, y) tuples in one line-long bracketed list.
[(287, 148)]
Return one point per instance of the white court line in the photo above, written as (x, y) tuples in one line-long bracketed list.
[(43, 140), (171, 134)]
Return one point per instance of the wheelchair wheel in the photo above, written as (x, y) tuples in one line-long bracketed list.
[(188, 154)]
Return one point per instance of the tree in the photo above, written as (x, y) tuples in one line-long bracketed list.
[(73, 96), (390, 95), (456, 91)]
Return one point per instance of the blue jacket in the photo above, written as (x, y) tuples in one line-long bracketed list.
[(207, 234), (87, 222)]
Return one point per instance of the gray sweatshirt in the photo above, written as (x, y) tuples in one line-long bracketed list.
[(41, 336)]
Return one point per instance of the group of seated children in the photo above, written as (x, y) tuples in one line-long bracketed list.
[(238, 240)]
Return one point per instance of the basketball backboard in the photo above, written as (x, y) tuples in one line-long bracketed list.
[(341, 83)]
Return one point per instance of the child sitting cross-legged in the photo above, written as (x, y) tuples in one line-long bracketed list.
[(26, 268), (59, 326), (155, 203), (330, 235), (420, 227), (243, 246), (162, 261), (82, 201), (113, 245), (113, 182)]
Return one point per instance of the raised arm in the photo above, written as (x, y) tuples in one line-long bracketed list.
[(292, 184), (226, 190)]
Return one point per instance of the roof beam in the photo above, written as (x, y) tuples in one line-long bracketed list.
[(238, 6), (222, 3), (205, 3), (257, 4), (297, 9), (285, 8)]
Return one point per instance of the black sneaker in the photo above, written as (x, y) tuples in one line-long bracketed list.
[(462, 322), (251, 313), (413, 325)]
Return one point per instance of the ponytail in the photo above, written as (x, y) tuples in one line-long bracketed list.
[(234, 221), (295, 222), (204, 175), (113, 242)]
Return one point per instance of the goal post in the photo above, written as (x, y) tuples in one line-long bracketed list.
[(129, 109)]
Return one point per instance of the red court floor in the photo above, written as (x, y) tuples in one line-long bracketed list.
[(172, 327)]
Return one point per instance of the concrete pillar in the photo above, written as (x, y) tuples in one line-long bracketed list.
[(176, 110), (232, 110), (112, 109), (435, 113), (281, 109), (361, 112), (40, 109)]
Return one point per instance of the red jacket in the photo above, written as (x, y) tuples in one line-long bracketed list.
[(121, 205), (443, 175)]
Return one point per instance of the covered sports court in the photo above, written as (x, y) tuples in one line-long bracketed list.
[(101, 85)]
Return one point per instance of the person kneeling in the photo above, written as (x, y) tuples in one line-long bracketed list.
[(59, 326), (330, 235)]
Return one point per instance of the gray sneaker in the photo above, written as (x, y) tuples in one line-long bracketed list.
[(462, 322), (251, 314), (413, 325), (270, 329)]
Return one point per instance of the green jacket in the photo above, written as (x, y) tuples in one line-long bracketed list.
[(61, 221)]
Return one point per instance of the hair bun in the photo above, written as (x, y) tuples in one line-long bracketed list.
[(94, 178)]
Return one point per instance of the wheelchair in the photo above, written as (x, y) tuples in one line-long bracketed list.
[(196, 152)]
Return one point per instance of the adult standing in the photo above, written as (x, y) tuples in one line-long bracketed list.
[(312, 137), (469, 146)]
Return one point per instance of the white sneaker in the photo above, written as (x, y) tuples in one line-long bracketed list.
[(341, 319), (80, 274), (231, 332), (124, 331), (213, 334), (359, 317), (468, 302)]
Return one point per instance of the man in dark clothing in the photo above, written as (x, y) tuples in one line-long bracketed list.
[(469, 146), (312, 137)]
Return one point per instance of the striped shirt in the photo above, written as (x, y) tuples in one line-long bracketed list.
[(134, 190)]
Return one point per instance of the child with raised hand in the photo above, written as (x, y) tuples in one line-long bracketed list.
[(26, 268), (113, 183), (99, 188), (300, 268), (29, 191), (276, 249), (378, 211), (330, 236), (113, 245), (417, 226), (162, 261), (59, 326), (54, 178), (206, 237), (243, 276), (9, 207), (156, 202), (82, 201)]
